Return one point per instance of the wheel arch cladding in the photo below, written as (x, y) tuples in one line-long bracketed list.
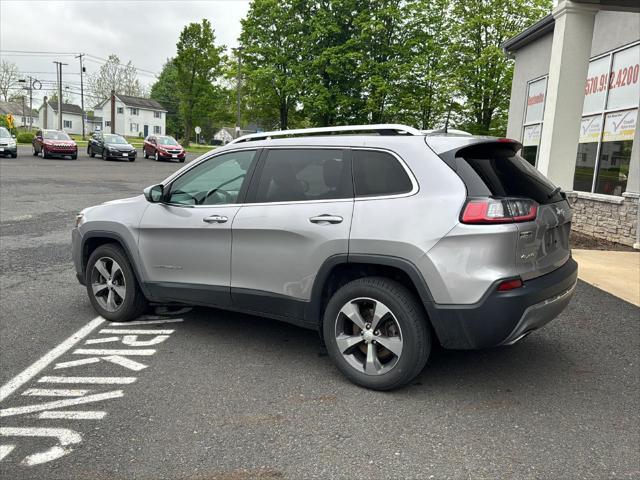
[(94, 239), (339, 270)]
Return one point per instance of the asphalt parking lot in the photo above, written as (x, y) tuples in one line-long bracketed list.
[(204, 394)]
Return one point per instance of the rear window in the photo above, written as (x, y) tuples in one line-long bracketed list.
[(378, 173), (496, 171)]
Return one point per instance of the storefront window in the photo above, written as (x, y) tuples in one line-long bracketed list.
[(530, 143), (534, 113), (607, 128), (590, 131), (615, 152)]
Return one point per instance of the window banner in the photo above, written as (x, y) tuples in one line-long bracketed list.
[(590, 128), (532, 135), (620, 126), (535, 101)]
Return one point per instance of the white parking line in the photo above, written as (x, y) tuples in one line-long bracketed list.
[(98, 351), (98, 380), (54, 392), (75, 363), (40, 364), (124, 331), (93, 341), (73, 415), (8, 412)]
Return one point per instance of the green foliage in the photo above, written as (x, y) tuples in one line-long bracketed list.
[(198, 64), (271, 44), (483, 72), (24, 137), (164, 91), (330, 62)]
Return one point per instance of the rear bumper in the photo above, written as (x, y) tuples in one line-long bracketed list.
[(503, 318)]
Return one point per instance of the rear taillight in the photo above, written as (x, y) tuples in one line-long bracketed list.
[(499, 210)]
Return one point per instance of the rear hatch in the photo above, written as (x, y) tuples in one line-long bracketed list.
[(492, 170)]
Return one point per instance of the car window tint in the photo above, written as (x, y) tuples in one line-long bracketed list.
[(379, 173), (495, 170), (215, 181), (304, 175)]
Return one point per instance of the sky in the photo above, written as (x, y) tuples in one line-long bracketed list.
[(143, 31)]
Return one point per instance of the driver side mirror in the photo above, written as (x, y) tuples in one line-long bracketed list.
[(154, 193)]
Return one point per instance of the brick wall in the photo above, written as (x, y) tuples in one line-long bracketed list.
[(603, 216)]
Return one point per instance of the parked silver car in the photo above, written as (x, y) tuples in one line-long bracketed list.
[(385, 240)]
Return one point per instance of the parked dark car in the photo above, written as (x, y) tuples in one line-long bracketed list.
[(162, 147), (54, 143), (111, 146), (8, 144)]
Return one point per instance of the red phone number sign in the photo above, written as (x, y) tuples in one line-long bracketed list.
[(625, 76)]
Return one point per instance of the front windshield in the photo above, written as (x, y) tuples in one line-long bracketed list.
[(167, 141), (114, 139), (55, 135), (4, 133)]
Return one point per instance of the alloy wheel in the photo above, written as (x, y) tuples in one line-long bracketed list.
[(108, 284), (368, 336)]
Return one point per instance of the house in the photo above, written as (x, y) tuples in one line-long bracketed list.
[(92, 123), (71, 116), (134, 116), (575, 103), (22, 115)]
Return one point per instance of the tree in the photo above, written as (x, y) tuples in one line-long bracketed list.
[(271, 43), (9, 76), (164, 91), (67, 97), (483, 73), (113, 75), (198, 64)]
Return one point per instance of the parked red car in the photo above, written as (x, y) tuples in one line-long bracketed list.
[(54, 143), (163, 147)]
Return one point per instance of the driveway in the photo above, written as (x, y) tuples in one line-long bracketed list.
[(205, 394)]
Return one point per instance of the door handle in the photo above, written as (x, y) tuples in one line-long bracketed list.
[(324, 219), (215, 219)]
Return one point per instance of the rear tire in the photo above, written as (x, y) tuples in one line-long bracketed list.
[(90, 152), (144, 152), (35, 152), (360, 353), (112, 286), (156, 157)]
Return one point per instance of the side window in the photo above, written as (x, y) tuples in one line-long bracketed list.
[(379, 173), (213, 182), (304, 174)]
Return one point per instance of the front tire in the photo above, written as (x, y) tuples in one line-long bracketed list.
[(90, 152), (104, 154), (112, 286), (35, 152), (156, 157), (376, 333)]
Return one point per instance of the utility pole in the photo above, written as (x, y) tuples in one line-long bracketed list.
[(24, 123), (113, 112), (81, 90), (59, 71)]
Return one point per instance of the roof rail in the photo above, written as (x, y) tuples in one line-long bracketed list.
[(442, 131), (384, 129)]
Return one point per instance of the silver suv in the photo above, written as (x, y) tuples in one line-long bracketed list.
[(383, 238)]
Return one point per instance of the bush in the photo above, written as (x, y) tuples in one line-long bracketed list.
[(25, 137)]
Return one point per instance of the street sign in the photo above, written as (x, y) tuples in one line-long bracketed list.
[(198, 130)]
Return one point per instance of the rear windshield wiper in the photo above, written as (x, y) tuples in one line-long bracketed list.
[(553, 192)]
